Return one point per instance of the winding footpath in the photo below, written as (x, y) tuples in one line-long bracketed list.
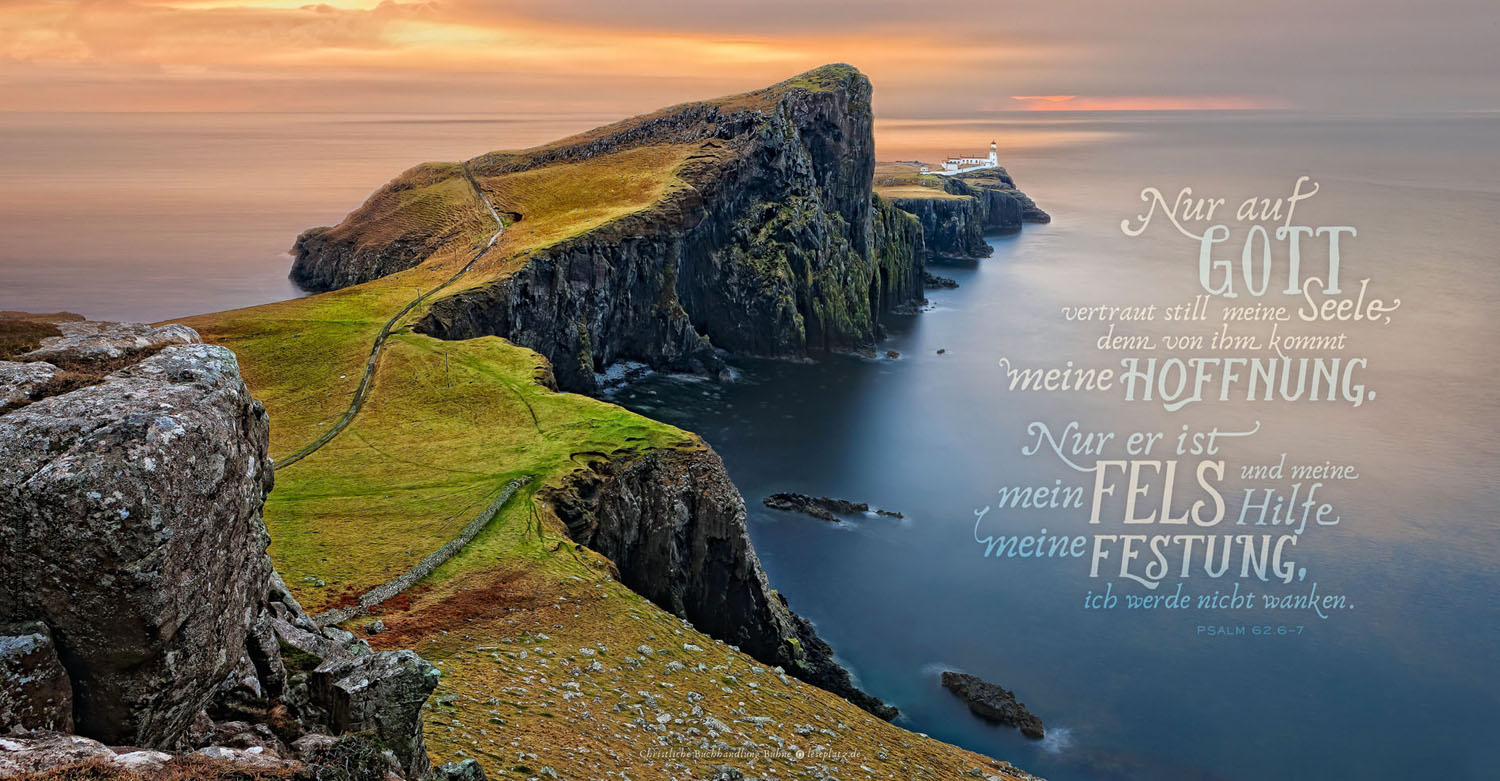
[(426, 566), (366, 382)]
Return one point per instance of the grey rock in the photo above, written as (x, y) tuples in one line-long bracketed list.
[(143, 761), (41, 751), (308, 747), (993, 703), (380, 693), (254, 757), (34, 688), (130, 523), (88, 341), (18, 381), (466, 770)]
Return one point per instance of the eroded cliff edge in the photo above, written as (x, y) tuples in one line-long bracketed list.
[(674, 525)]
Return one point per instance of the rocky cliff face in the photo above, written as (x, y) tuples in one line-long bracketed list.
[(1005, 209), (955, 228), (137, 603), (674, 525)]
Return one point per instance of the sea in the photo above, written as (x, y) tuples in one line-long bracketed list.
[(152, 216)]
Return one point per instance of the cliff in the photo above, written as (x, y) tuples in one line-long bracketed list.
[(674, 525), (957, 212), (768, 246)]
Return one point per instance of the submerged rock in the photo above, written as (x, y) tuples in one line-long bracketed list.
[(993, 703), (942, 283)]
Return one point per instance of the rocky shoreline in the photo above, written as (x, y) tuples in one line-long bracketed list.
[(140, 610)]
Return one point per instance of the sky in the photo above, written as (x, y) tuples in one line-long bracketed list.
[(938, 58)]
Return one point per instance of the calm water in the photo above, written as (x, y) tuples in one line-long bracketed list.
[(147, 217)]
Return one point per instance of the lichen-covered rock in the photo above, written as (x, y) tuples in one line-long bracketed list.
[(467, 770), (88, 341), (674, 525), (42, 751), (34, 688), (135, 588), (130, 516), (19, 381), (381, 693)]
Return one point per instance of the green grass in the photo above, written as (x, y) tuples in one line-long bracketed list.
[(450, 423)]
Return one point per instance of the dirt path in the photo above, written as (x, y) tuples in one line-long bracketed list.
[(367, 381)]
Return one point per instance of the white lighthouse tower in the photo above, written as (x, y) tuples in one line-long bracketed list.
[(962, 165)]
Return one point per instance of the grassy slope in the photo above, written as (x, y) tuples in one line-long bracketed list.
[(905, 180), (446, 426)]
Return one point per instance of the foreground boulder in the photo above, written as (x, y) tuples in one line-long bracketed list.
[(138, 606), (131, 521), (993, 703)]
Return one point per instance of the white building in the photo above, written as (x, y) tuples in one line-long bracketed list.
[(960, 165)]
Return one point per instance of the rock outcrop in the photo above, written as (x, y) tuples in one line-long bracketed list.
[(137, 602), (993, 703), (986, 202), (953, 228), (821, 507), (34, 688), (131, 526), (674, 525)]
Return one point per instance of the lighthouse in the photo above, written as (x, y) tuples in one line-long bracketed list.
[(960, 165)]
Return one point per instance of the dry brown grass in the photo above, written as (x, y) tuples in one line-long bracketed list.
[(21, 333), (185, 768)]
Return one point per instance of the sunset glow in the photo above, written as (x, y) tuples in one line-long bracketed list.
[(1141, 103), (953, 58)]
